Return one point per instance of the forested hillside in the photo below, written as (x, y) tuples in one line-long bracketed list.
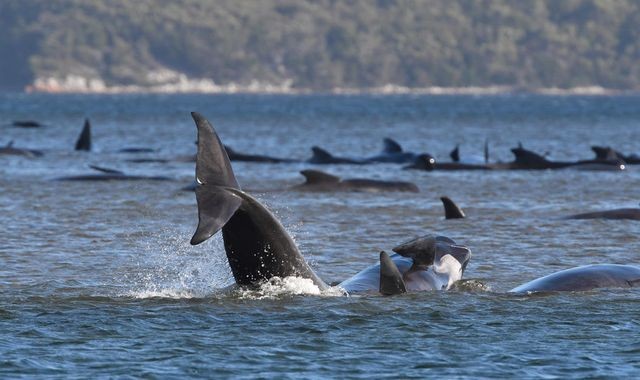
[(321, 45)]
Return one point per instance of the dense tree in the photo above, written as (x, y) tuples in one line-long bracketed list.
[(325, 44)]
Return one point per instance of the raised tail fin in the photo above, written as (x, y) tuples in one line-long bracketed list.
[(391, 282), (84, 140), (451, 210), (213, 174)]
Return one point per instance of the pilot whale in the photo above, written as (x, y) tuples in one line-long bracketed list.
[(317, 180), (392, 152), (10, 150), (107, 174), (618, 213), (258, 248), (584, 278)]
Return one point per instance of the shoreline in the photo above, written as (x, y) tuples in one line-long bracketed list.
[(184, 85)]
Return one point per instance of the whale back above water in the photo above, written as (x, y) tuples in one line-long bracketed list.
[(619, 213), (585, 278), (316, 180)]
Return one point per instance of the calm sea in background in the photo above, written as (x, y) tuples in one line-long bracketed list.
[(99, 279)]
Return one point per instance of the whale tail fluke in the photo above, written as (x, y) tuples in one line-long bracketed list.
[(216, 205), (314, 177), (451, 210), (391, 282), (391, 146), (84, 139)]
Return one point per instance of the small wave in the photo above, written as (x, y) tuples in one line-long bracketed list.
[(288, 286)]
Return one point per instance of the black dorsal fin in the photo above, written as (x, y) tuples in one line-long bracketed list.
[(316, 176), (486, 151), (320, 154), (391, 282), (10, 144), (213, 173), (451, 210), (106, 170), (391, 146), (84, 140), (455, 154)]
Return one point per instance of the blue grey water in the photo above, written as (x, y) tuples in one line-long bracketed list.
[(99, 280)]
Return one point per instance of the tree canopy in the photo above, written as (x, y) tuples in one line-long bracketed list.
[(326, 44)]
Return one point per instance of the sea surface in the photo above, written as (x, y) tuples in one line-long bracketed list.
[(97, 279)]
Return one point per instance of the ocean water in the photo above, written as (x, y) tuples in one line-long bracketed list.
[(97, 279)]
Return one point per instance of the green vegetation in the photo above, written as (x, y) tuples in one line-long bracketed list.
[(324, 44)]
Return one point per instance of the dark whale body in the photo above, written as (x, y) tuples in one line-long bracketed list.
[(585, 278), (10, 150), (110, 175), (323, 182), (619, 213), (391, 153), (258, 247), (237, 156)]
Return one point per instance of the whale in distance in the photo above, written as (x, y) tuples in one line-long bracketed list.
[(237, 156), (106, 174), (10, 150), (618, 213), (84, 139), (451, 210), (317, 180)]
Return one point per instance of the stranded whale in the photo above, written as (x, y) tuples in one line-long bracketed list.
[(258, 247), (317, 180), (584, 278), (110, 175)]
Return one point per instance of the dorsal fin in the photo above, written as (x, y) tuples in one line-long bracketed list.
[(320, 154), (317, 176), (213, 173), (84, 140), (451, 210), (106, 170), (10, 144), (455, 154), (486, 151), (391, 146), (391, 282)]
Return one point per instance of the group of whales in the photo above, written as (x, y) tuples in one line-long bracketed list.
[(258, 248)]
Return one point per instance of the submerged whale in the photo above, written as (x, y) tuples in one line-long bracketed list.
[(258, 248), (110, 175), (10, 150), (391, 153), (584, 278), (618, 213), (237, 156), (27, 124), (317, 180)]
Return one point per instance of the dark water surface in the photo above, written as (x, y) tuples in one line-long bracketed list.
[(98, 279)]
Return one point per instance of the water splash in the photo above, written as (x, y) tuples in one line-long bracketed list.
[(169, 267)]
